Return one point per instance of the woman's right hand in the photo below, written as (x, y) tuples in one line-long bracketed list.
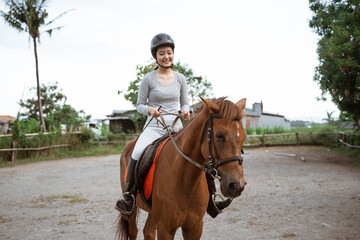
[(154, 112)]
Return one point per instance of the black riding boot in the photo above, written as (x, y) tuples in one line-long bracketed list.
[(215, 207), (126, 205)]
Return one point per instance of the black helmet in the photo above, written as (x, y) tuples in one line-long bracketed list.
[(161, 39)]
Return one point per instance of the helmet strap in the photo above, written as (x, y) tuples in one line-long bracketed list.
[(162, 65)]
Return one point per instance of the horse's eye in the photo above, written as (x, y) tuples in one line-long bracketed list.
[(220, 137)]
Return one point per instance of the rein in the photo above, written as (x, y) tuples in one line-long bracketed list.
[(210, 168)]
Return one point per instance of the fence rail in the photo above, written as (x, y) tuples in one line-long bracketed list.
[(298, 139), (15, 149), (284, 139)]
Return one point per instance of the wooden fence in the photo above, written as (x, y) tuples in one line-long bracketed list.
[(251, 140), (299, 138), (14, 149)]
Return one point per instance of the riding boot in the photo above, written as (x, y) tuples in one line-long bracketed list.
[(215, 207), (126, 204)]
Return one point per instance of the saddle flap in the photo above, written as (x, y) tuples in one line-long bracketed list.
[(144, 170)]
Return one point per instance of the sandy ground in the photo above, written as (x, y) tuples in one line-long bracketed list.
[(286, 198)]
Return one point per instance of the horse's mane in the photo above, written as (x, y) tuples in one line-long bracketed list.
[(228, 110)]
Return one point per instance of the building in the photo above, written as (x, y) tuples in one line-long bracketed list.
[(257, 118), (122, 121), (5, 123)]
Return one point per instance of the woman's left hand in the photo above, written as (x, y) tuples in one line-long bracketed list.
[(185, 114)]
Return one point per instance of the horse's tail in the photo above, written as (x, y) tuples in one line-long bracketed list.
[(122, 231)]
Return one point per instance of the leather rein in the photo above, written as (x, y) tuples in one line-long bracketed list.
[(210, 166)]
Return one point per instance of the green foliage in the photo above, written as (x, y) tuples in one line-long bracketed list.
[(55, 109), (297, 123), (338, 25), (66, 114), (86, 135), (51, 124), (258, 130), (51, 98), (261, 131), (104, 131), (32, 126), (29, 16)]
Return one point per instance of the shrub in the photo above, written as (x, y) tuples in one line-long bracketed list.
[(86, 135)]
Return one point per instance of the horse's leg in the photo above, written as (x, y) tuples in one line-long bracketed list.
[(165, 233), (133, 230), (194, 232), (149, 228)]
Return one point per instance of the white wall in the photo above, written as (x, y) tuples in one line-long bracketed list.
[(267, 121)]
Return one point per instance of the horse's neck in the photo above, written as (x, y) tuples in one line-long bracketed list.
[(188, 140)]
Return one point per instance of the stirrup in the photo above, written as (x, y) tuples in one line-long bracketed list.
[(125, 212), (214, 202)]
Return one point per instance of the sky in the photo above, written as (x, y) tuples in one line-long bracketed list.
[(260, 50)]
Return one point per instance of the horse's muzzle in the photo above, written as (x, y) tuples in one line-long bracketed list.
[(232, 189)]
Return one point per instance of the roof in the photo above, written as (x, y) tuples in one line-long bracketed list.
[(7, 118), (124, 113)]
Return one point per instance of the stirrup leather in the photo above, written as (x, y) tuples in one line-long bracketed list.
[(125, 212)]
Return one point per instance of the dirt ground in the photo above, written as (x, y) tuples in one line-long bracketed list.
[(286, 198)]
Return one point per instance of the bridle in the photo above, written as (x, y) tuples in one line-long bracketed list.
[(210, 166), (210, 139)]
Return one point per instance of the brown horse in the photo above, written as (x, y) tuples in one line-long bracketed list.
[(213, 140)]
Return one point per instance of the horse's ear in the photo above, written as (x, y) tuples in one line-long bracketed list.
[(242, 103), (213, 107)]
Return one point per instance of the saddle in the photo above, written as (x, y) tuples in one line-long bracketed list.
[(144, 169)]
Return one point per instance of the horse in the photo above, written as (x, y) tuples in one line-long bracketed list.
[(210, 142)]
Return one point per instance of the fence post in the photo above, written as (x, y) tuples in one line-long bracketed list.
[(297, 139), (13, 155), (263, 140)]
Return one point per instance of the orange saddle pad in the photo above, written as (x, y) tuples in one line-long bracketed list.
[(148, 184)]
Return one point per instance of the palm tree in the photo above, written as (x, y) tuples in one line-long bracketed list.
[(29, 16)]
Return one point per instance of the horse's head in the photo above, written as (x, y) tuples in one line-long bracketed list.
[(223, 137)]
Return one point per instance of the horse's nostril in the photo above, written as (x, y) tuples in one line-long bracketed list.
[(234, 187)]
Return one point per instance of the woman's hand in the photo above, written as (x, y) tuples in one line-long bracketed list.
[(185, 114), (154, 112)]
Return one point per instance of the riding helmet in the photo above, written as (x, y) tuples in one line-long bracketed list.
[(161, 39)]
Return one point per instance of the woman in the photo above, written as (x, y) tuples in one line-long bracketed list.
[(163, 88)]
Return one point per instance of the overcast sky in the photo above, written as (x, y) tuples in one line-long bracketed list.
[(260, 50)]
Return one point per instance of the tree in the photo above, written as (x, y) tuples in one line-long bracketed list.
[(197, 85), (56, 110), (50, 97), (29, 16), (337, 23)]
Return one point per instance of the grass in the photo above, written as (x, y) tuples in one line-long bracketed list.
[(289, 235), (67, 222), (68, 198), (38, 206), (5, 220)]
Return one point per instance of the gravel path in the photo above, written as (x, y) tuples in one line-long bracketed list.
[(286, 198)]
